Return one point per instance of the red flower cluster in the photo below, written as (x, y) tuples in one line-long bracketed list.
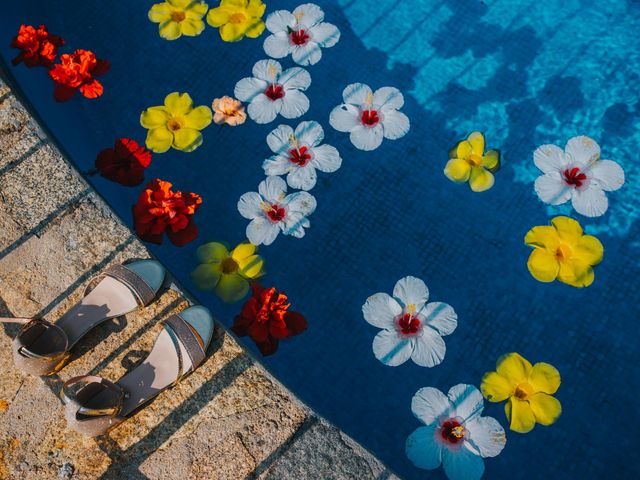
[(38, 47), (159, 209), (76, 71), (124, 163), (266, 318)]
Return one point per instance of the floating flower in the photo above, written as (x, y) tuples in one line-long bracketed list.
[(300, 33), (160, 209), (369, 117), (179, 17), (454, 435), (578, 174), (266, 318), (271, 91), (527, 388), (37, 46), (237, 19), (175, 124), (298, 154), (272, 211), (124, 163), (227, 273), (228, 110), (562, 251), (412, 328), (469, 163), (76, 71)]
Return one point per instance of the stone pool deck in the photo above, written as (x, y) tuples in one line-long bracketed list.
[(228, 420)]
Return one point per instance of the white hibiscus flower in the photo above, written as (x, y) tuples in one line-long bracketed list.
[(271, 91), (455, 434), (272, 211), (369, 117), (298, 154), (300, 33), (412, 328), (577, 173)]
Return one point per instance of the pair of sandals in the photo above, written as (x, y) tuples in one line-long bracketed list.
[(94, 405)]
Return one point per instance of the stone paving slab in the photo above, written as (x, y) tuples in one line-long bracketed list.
[(228, 420)]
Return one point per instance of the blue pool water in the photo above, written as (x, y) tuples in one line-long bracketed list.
[(526, 73)]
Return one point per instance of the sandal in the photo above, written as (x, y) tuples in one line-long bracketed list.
[(94, 405), (43, 348)]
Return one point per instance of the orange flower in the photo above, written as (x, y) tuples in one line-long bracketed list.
[(75, 72), (160, 209), (228, 110), (39, 47)]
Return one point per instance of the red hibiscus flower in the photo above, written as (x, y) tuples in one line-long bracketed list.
[(266, 318), (159, 209), (75, 72), (39, 47), (124, 163)]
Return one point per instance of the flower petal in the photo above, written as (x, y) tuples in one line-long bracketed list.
[(308, 54), (279, 139), (429, 405), (476, 140), (514, 368), (422, 448), (303, 178), (462, 464), (568, 228), (544, 378), (178, 103), (212, 252), (261, 231), (300, 202), (191, 27), (273, 189), (467, 401), (356, 93), (263, 110), (486, 436), (294, 104), (395, 124), (590, 202), (543, 237), (159, 139), (411, 291), (589, 250), (310, 133), (206, 276), (198, 118), (232, 288), (495, 388), (576, 272), (345, 118), (391, 349), (440, 317), (160, 12), (325, 34), (249, 205), (491, 160), (428, 349), (154, 117), (277, 165), (608, 175), (187, 139), (170, 30), (251, 267), (367, 138), (545, 408), (279, 21), (458, 170), (243, 251), (480, 179), (308, 15), (266, 69), (219, 16), (326, 158), (233, 32), (582, 151), (277, 45), (552, 189), (387, 99), (295, 78), (249, 88), (520, 415), (380, 310), (543, 265), (255, 28), (550, 159)]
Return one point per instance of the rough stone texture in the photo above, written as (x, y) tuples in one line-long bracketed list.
[(228, 420)]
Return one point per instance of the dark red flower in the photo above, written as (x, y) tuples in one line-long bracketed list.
[(124, 163), (160, 209), (39, 47), (76, 71), (266, 318)]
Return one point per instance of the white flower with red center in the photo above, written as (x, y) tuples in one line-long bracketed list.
[(271, 91), (370, 116), (298, 154), (301, 33), (578, 174), (272, 211), (454, 435), (412, 328)]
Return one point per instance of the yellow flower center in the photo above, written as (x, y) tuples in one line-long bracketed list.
[(522, 391), (237, 18), (474, 160), (178, 16), (174, 124), (229, 265), (563, 252), (458, 431)]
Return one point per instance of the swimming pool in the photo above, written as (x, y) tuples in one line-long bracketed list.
[(525, 73)]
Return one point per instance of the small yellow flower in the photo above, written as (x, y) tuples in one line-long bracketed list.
[(562, 251), (175, 124), (179, 17), (468, 162), (237, 19), (528, 390), (227, 273)]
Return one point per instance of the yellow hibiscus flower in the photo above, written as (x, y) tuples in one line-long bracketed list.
[(237, 19), (175, 124), (179, 17), (562, 251), (469, 163), (227, 273), (529, 391)]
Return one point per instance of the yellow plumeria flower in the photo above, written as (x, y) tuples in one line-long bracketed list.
[(237, 19), (227, 273), (528, 390), (179, 17), (469, 163), (175, 124), (562, 251)]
